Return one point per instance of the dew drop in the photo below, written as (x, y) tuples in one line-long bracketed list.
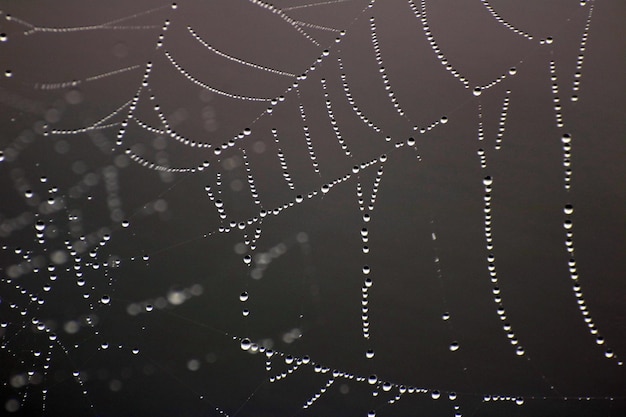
[(246, 344), (372, 379), (454, 346), (435, 395)]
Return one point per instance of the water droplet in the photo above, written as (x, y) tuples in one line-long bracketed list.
[(40, 225), (372, 379), (487, 181), (454, 346), (243, 296), (105, 299), (369, 354), (246, 344), (435, 395), (477, 91)]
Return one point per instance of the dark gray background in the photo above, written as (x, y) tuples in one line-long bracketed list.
[(315, 286)]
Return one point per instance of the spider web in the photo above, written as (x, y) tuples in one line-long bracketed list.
[(334, 208)]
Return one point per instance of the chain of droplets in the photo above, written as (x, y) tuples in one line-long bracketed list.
[(491, 259), (253, 190), (318, 394), (568, 225), (98, 125), (566, 139), (442, 120), (217, 202), (502, 121), (318, 27), (235, 59), (307, 135), (558, 114), (283, 161), (366, 216), (479, 89), (381, 67), (286, 18), (481, 137), (351, 101), (504, 22), (241, 225), (420, 13), (75, 83), (168, 131), (199, 83), (581, 53), (333, 121), (111, 25), (372, 380)]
